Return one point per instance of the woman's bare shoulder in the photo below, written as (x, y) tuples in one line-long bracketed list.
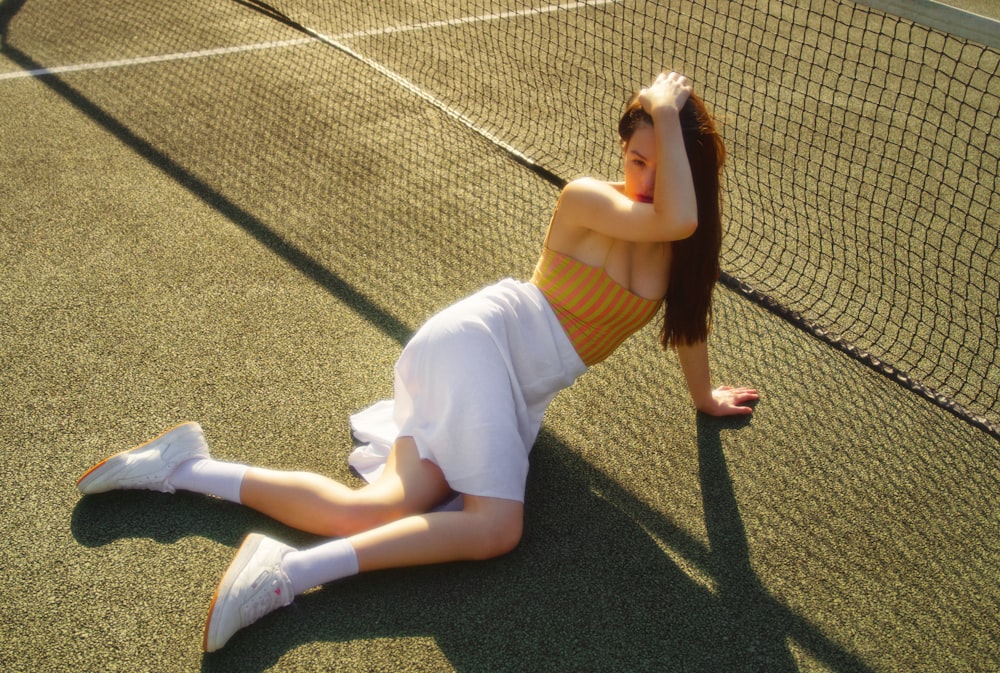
[(593, 186), (586, 197)]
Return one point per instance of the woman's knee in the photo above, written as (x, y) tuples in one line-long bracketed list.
[(499, 539), (497, 529)]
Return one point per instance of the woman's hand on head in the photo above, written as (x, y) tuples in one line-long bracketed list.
[(729, 401), (668, 91)]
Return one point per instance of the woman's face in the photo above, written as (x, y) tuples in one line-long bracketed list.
[(640, 164)]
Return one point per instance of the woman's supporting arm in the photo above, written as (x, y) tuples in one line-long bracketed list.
[(722, 401)]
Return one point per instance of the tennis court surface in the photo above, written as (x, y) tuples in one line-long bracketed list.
[(208, 214)]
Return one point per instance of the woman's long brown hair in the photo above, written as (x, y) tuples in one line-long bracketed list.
[(694, 266)]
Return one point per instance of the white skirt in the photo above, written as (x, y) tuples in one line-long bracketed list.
[(471, 388)]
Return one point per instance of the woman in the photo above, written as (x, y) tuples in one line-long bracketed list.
[(473, 383)]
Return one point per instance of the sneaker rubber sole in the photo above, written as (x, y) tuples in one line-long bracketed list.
[(86, 481)]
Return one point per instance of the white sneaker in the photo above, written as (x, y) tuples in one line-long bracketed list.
[(253, 586), (148, 465)]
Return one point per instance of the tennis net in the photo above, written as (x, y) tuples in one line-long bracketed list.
[(862, 199)]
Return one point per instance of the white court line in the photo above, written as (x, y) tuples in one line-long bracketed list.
[(126, 62), (430, 98), (514, 14), (188, 55)]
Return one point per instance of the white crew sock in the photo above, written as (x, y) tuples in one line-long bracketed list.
[(210, 477), (327, 562)]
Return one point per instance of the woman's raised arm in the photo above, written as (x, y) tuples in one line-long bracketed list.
[(663, 206)]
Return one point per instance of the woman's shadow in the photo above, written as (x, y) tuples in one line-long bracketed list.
[(588, 589)]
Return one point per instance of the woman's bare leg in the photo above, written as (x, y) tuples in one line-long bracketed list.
[(265, 574), (486, 527), (319, 505)]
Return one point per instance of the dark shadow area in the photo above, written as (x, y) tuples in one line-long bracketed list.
[(101, 519), (8, 10), (760, 623), (588, 588)]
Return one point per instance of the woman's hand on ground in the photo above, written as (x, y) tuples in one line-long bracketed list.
[(729, 401)]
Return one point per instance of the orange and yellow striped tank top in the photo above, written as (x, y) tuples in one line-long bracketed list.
[(597, 313)]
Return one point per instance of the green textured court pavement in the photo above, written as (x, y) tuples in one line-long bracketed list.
[(848, 526)]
